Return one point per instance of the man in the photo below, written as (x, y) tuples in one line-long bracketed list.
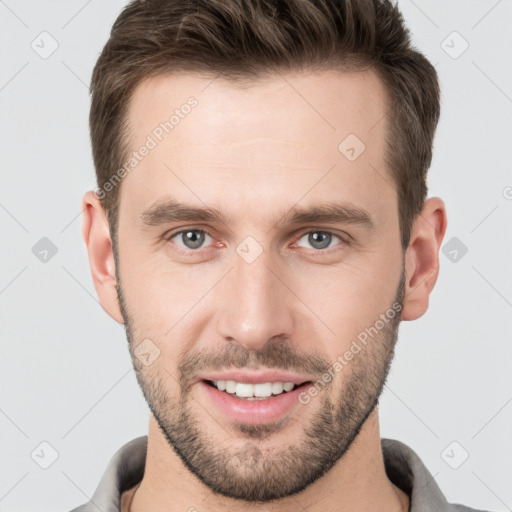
[(261, 228)]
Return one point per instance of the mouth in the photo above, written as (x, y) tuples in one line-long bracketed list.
[(251, 392), (255, 404)]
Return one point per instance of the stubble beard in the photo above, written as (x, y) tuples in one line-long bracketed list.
[(252, 472)]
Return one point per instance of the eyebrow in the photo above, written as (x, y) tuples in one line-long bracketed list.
[(170, 210)]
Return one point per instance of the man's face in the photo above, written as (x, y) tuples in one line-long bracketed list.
[(260, 290)]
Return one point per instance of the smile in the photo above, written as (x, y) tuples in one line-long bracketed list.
[(254, 404)]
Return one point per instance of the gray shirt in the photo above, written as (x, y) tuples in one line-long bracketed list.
[(403, 467)]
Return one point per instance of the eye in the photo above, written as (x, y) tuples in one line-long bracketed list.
[(190, 238), (196, 239), (319, 240)]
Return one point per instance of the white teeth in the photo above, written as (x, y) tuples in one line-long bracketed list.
[(288, 386), (244, 390), (263, 390), (277, 388), (230, 386)]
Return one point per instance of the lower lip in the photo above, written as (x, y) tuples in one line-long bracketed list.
[(255, 412)]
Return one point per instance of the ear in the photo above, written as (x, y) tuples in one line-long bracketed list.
[(96, 234), (422, 258)]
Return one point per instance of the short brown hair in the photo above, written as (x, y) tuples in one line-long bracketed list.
[(248, 39)]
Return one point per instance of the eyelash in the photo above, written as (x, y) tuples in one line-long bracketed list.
[(317, 252)]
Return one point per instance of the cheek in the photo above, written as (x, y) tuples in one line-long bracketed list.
[(349, 298), (167, 303)]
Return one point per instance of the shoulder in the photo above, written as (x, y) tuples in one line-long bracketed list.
[(408, 472)]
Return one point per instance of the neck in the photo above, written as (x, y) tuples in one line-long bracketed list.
[(358, 481)]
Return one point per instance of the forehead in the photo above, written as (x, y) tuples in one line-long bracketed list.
[(330, 101), (209, 137)]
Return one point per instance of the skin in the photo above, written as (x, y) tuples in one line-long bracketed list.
[(253, 153)]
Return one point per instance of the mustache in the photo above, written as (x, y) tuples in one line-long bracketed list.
[(274, 355)]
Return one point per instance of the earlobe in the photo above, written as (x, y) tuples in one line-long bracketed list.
[(96, 234), (422, 258)]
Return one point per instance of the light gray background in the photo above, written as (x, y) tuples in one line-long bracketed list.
[(66, 374)]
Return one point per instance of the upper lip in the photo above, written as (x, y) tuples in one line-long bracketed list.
[(256, 377)]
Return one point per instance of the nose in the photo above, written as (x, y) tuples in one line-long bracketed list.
[(256, 303)]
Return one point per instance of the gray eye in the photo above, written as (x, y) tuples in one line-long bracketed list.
[(191, 238), (319, 239)]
